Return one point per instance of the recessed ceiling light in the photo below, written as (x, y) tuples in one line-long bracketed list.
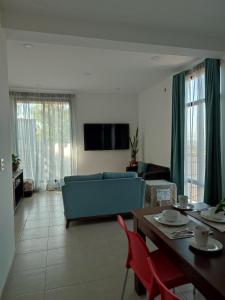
[(155, 57), (87, 74), (28, 46)]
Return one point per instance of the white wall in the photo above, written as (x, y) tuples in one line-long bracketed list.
[(154, 114), (7, 246), (103, 108)]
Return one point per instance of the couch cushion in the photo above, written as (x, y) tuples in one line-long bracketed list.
[(142, 167), (97, 176), (115, 175)]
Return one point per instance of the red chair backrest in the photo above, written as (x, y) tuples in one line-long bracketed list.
[(166, 294), (137, 255)]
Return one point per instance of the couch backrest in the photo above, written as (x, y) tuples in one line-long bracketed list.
[(119, 175), (100, 176), (97, 176)]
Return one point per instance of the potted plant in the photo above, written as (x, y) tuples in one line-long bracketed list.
[(220, 206), (134, 148), (15, 162)]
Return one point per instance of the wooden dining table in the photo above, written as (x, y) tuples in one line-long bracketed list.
[(205, 270)]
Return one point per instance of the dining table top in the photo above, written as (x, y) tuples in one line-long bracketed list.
[(205, 270)]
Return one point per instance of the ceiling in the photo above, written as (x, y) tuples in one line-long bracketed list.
[(193, 24), (205, 17), (83, 69)]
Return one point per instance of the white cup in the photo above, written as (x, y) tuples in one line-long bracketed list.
[(183, 201), (217, 216), (170, 215), (201, 234)]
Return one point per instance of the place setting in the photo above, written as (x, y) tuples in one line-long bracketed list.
[(174, 217), (202, 241), (212, 217), (183, 204), (172, 223), (171, 217)]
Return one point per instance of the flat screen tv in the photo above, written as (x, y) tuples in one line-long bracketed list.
[(106, 136)]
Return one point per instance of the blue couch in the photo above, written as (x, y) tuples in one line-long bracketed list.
[(102, 194)]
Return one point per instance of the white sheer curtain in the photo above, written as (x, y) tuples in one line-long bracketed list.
[(43, 128), (195, 134)]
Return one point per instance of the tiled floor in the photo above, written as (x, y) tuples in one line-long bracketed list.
[(84, 262)]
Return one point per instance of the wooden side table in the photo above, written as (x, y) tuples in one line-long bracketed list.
[(160, 191)]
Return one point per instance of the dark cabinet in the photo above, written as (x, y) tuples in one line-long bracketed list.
[(17, 187)]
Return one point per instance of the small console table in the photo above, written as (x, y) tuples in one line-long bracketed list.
[(160, 191), (17, 187)]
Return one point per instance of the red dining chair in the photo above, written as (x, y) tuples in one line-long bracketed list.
[(138, 252), (165, 293)]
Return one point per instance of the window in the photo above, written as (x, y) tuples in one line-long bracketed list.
[(44, 139), (194, 174)]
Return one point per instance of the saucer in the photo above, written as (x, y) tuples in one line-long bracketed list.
[(205, 214), (177, 206), (212, 246), (182, 220)]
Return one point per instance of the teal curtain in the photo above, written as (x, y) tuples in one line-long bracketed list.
[(177, 138), (213, 181)]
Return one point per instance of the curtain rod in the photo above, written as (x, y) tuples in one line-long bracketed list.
[(41, 91)]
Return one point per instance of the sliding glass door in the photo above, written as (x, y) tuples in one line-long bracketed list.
[(195, 150), (44, 139)]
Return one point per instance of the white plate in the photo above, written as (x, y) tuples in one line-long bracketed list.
[(205, 215), (177, 206), (213, 245), (182, 220)]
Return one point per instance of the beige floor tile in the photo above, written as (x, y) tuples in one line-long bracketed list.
[(36, 296), (80, 242), (56, 214), (39, 214), (65, 241), (36, 223), (65, 255), (54, 210), (57, 230), (33, 260), (57, 242), (106, 289), (64, 274), (57, 221), (34, 218), (26, 282), (40, 205), (32, 245), (79, 292), (34, 233), (110, 288)]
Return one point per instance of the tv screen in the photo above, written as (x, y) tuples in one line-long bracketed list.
[(106, 136)]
